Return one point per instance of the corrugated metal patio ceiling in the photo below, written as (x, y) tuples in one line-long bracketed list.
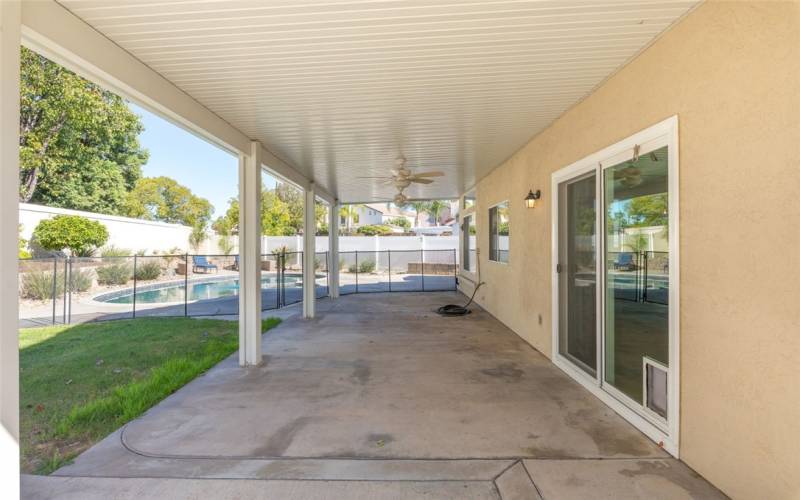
[(339, 88)]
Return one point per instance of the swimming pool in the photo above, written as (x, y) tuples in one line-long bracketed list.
[(202, 290)]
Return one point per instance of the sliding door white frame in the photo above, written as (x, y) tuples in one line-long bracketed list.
[(665, 433)]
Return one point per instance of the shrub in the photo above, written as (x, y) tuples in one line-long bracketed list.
[(149, 270), (373, 230), (78, 234), (401, 222), (22, 245), (115, 273), (38, 285), (80, 280), (113, 251), (365, 267)]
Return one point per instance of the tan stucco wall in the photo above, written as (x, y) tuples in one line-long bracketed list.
[(731, 72)]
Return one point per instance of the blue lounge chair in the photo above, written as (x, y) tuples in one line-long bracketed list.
[(200, 262), (625, 262)]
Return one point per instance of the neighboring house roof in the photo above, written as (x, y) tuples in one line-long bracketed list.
[(376, 207), (390, 210)]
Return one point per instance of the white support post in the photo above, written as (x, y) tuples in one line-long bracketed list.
[(333, 251), (309, 253), (250, 257), (9, 196)]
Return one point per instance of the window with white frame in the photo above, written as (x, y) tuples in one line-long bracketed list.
[(498, 232), (469, 255), (469, 200)]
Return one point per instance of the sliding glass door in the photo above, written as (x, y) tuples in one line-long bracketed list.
[(615, 328), (636, 285), (578, 272)]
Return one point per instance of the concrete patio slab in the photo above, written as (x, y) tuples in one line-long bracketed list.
[(111, 458), (77, 488), (516, 484), (382, 376), (617, 479), (380, 391)]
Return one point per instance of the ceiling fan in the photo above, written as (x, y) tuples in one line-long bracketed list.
[(402, 177), (631, 176)]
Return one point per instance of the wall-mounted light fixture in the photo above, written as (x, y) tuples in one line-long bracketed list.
[(530, 200)]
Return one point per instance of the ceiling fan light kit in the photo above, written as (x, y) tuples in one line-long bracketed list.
[(402, 177)]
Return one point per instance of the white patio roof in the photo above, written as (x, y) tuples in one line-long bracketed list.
[(338, 88)]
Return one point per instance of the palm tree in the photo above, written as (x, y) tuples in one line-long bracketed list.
[(417, 207), (197, 236), (435, 208), (349, 212)]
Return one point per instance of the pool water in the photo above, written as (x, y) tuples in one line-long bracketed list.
[(197, 291)]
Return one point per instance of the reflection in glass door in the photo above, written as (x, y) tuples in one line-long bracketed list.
[(578, 273), (636, 256), (616, 327)]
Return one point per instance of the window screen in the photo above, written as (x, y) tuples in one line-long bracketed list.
[(498, 232)]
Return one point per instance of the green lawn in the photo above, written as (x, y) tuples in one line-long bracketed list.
[(78, 383)]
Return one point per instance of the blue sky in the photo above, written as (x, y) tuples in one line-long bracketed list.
[(210, 172)]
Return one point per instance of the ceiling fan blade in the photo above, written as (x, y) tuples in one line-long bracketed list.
[(421, 181), (429, 174)]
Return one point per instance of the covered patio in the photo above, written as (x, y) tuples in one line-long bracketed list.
[(569, 130), (379, 390)]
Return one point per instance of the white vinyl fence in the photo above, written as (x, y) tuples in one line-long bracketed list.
[(362, 243), (137, 235)]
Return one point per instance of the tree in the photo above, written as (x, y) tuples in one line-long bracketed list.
[(292, 198), (228, 224), (435, 208), (350, 214), (79, 144), (163, 199), (225, 244), (276, 215), (636, 242), (79, 235), (282, 211), (649, 210), (417, 207), (197, 237)]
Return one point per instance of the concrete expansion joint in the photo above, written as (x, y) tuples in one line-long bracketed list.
[(516, 483), (292, 423)]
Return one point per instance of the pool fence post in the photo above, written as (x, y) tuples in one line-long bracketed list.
[(64, 316), (134, 284), (55, 287), (68, 287), (186, 285)]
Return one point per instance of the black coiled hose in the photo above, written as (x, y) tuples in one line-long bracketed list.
[(457, 310)]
